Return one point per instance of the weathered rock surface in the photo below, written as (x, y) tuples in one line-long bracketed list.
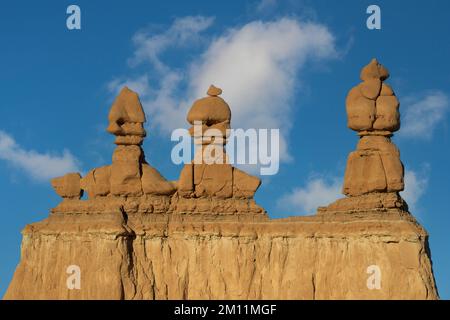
[(210, 174), (372, 105), (68, 186), (139, 236), (173, 256), (372, 111), (129, 174)]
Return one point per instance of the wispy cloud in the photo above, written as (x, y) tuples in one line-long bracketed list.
[(321, 191), (416, 183), (266, 5), (423, 114), (139, 84), (184, 31), (257, 65), (39, 166), (317, 192)]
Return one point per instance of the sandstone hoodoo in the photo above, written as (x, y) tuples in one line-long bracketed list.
[(372, 110), (129, 175), (374, 171), (140, 236), (210, 176)]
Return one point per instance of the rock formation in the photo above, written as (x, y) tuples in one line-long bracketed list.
[(139, 236), (129, 174), (210, 176), (374, 173)]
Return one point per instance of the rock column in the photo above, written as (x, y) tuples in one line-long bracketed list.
[(373, 111), (210, 175)]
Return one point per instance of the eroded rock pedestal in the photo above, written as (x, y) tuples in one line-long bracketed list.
[(210, 175), (374, 173), (176, 256), (139, 236)]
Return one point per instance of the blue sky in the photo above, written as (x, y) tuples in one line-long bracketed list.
[(281, 64)]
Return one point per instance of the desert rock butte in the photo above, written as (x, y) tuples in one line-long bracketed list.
[(140, 236)]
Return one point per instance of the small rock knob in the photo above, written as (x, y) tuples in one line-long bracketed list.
[(214, 91)]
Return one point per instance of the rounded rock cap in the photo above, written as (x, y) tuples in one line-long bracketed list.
[(214, 91), (374, 70), (211, 109)]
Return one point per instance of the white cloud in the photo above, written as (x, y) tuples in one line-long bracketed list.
[(161, 99), (139, 84), (321, 192), (40, 166), (184, 31), (165, 110), (415, 186), (423, 116), (257, 66), (317, 192), (266, 5)]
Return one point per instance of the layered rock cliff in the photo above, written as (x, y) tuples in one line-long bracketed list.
[(139, 236), (177, 256)]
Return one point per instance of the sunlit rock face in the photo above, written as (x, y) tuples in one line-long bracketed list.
[(139, 236)]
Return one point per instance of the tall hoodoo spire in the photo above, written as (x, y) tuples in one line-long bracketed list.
[(129, 175), (126, 118), (373, 111), (210, 175)]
